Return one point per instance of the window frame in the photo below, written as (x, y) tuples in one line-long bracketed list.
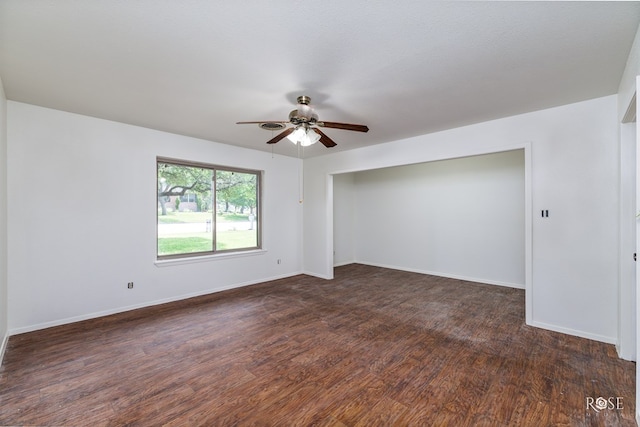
[(213, 167)]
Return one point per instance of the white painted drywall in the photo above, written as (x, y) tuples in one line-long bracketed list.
[(627, 87), (82, 215), (574, 174), (461, 218), (4, 308), (626, 344), (344, 219)]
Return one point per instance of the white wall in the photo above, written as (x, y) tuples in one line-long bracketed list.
[(461, 218), (344, 239), (626, 343), (627, 283), (628, 280), (574, 174), (627, 87), (82, 215), (4, 308)]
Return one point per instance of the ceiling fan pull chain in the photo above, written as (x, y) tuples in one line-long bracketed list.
[(300, 175)]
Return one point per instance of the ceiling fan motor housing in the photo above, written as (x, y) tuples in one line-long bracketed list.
[(297, 117), (304, 113), (304, 100)]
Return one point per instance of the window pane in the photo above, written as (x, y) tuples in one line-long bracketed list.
[(185, 210), (236, 205)]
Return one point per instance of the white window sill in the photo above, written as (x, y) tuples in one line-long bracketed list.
[(208, 258)]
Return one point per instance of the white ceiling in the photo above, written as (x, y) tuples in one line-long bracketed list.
[(404, 68)]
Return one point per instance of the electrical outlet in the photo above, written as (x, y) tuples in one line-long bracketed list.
[(130, 285)]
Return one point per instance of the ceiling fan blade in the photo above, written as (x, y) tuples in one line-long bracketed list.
[(324, 139), (279, 136), (345, 126), (262, 121)]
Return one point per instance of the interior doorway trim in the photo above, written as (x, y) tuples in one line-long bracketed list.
[(630, 114)]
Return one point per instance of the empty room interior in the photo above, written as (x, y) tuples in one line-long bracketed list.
[(333, 213)]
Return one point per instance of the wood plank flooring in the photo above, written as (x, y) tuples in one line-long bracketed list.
[(373, 347)]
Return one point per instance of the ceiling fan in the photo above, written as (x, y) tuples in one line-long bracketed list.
[(305, 126)]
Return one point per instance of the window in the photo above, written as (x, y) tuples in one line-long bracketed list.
[(205, 209), (189, 198)]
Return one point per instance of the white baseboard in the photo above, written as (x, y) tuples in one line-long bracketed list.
[(3, 347), (74, 319), (319, 276), (574, 332), (625, 353), (343, 263), (447, 275)]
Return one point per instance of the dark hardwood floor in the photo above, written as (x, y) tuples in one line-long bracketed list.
[(374, 347)]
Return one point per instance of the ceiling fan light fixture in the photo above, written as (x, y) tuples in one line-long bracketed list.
[(312, 136), (304, 136), (296, 135)]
